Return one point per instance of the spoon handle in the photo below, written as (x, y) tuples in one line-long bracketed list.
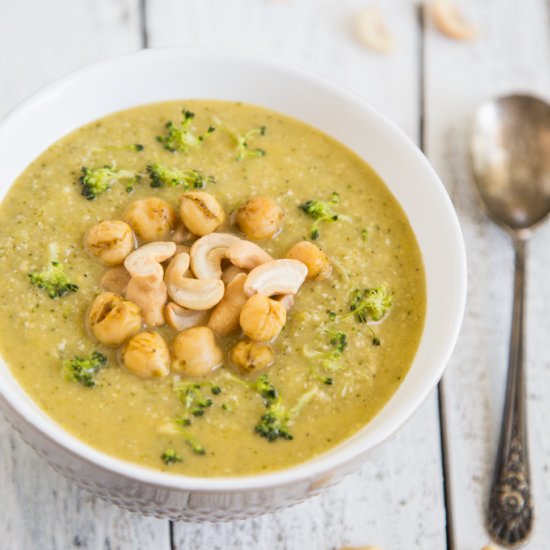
[(510, 513)]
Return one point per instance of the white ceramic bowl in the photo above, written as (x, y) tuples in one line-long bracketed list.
[(157, 75)]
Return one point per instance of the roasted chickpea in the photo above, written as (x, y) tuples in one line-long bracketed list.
[(109, 242), (200, 212), (250, 357), (151, 219), (260, 218), (262, 318), (147, 355), (316, 261), (196, 352), (112, 320)]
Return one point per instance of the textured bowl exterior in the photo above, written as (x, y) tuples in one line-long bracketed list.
[(157, 75)]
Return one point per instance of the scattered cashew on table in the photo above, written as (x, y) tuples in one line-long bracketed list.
[(181, 272)]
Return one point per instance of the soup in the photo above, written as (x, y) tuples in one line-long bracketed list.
[(289, 298)]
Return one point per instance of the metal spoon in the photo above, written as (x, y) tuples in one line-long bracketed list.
[(510, 157)]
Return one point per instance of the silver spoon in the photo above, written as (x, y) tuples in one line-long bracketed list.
[(510, 157)]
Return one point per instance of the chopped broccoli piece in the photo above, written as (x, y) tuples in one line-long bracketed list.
[(170, 456), (53, 279), (194, 400), (370, 303), (338, 340), (83, 369), (189, 179), (180, 137), (330, 359), (177, 427), (196, 447), (97, 181), (273, 423), (322, 211), (364, 235), (266, 389), (243, 151)]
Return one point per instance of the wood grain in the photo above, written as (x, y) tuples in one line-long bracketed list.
[(396, 500), (41, 510), (512, 53)]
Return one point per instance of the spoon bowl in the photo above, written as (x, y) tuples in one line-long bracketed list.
[(510, 154)]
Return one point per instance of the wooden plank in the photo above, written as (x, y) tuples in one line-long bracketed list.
[(511, 53), (40, 509), (395, 500)]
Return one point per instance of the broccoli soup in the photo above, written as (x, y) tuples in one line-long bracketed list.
[(207, 288)]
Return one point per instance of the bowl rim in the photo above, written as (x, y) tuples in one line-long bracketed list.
[(335, 457)]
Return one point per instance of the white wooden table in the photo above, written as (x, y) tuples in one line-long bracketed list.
[(417, 493)]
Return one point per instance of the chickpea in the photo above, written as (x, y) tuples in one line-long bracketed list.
[(147, 355), (251, 357), (151, 219), (109, 242), (260, 218), (262, 318), (112, 320), (316, 261), (196, 352), (200, 212)]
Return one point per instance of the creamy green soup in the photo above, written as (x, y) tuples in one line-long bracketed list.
[(347, 378)]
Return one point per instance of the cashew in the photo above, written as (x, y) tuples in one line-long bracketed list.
[(229, 273), (151, 300), (200, 212), (147, 355), (247, 255), (115, 280), (109, 241), (182, 248), (196, 352), (225, 316), (179, 318), (316, 261), (207, 254), (251, 357), (262, 318), (151, 219), (177, 269), (372, 31), (450, 21), (260, 218), (112, 320), (286, 299), (276, 277), (144, 263)]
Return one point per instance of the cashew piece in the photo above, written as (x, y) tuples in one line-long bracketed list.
[(229, 273), (150, 299), (286, 299), (115, 280), (147, 355), (109, 241), (247, 255), (450, 21), (144, 263), (260, 218), (316, 261), (151, 219), (372, 31), (112, 320), (207, 254), (251, 357), (276, 277), (195, 352), (262, 318), (179, 318), (200, 212), (225, 316)]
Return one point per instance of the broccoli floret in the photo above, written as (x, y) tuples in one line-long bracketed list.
[(370, 303), (194, 401), (170, 456), (97, 181), (243, 151), (196, 447), (189, 179), (338, 340), (266, 389), (53, 279), (83, 369), (273, 423), (330, 359), (322, 211), (181, 138)]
